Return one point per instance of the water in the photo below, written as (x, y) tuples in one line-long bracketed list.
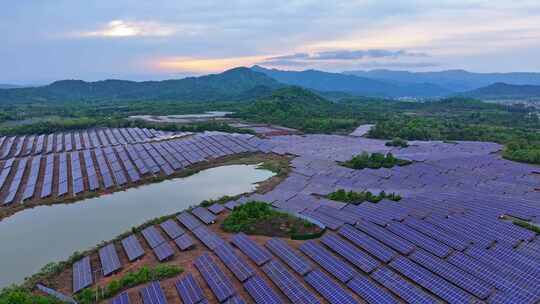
[(34, 237)]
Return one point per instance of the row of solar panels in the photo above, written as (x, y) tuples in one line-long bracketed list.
[(108, 256), (18, 146), (117, 165)]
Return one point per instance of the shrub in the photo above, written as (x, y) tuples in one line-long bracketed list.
[(360, 197), (375, 161), (19, 295), (397, 142), (247, 214)]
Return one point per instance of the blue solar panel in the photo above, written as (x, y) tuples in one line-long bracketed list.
[(339, 269), (287, 283), (430, 281), (132, 247), (370, 291), (437, 233), (163, 252), (232, 300), (184, 242), (241, 270), (405, 290), (287, 255), (209, 238), (343, 216), (261, 292), (216, 208), (350, 253), (172, 229), (330, 222), (122, 298), (254, 251), (189, 290), (82, 274), (451, 273), (109, 259), (153, 294), (220, 284), (330, 290), (397, 243), (152, 236), (204, 215), (188, 220), (369, 244), (420, 240)]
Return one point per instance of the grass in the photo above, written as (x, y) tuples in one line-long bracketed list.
[(260, 218), (21, 295), (128, 280), (527, 225), (374, 161), (359, 197)]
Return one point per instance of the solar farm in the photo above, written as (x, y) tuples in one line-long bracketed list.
[(450, 239), (72, 165)]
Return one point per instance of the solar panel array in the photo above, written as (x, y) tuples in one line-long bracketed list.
[(91, 160), (82, 274)]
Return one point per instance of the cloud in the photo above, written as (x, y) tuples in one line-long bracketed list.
[(122, 28), (346, 55), (403, 65)]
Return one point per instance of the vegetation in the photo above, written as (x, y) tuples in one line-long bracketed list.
[(359, 197), (374, 161), (128, 280), (222, 200), (527, 225), (260, 218), (20, 295), (397, 142)]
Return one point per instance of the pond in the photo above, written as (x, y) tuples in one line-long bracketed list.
[(34, 237)]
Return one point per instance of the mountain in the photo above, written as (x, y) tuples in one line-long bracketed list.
[(505, 91), (233, 84), (8, 86), (453, 80), (351, 84)]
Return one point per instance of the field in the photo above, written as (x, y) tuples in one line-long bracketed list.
[(447, 240)]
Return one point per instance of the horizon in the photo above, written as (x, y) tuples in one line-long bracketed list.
[(63, 39)]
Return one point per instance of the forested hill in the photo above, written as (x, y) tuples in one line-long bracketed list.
[(355, 85), (238, 83), (504, 90)]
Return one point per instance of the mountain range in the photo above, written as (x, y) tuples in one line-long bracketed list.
[(250, 83)]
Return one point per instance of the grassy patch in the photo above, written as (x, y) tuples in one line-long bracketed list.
[(527, 225), (360, 197), (128, 280), (397, 142), (375, 161), (20, 295), (260, 218)]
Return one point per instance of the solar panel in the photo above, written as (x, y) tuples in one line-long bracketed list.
[(152, 236), (451, 273), (287, 255), (330, 290), (430, 281), (172, 229), (216, 208), (188, 220), (189, 290), (369, 244), (204, 215), (287, 283), (109, 259), (397, 243), (32, 178), (82, 274), (437, 233), (339, 269), (231, 300), (241, 270), (350, 253), (220, 284), (122, 298), (343, 216), (207, 237), (369, 291), (184, 242), (328, 221), (254, 251), (163, 252), (60, 296), (405, 290), (153, 294), (132, 247), (420, 240), (261, 292)]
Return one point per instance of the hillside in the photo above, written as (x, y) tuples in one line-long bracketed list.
[(233, 84), (360, 86), (453, 80), (8, 86), (504, 90)]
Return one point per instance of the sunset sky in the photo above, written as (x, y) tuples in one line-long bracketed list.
[(42, 41)]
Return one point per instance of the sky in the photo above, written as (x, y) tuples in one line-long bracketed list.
[(43, 41)]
